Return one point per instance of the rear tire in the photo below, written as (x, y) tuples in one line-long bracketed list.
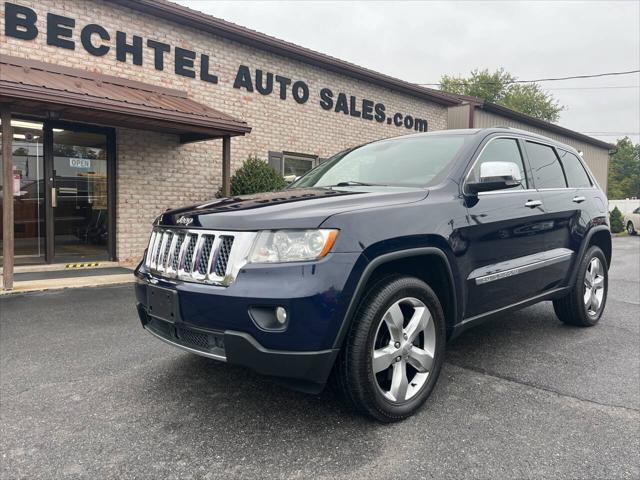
[(630, 228), (584, 304), (393, 353)]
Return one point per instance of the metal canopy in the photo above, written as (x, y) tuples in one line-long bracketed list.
[(76, 95)]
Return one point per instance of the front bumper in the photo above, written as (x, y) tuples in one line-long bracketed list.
[(215, 322), (306, 371)]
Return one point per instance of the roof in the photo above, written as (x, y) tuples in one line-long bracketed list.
[(194, 19), (80, 95), (552, 127)]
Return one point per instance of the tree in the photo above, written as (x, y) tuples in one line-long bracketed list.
[(499, 87), (616, 220), (624, 170)]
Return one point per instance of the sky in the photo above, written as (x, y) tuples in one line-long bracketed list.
[(420, 41)]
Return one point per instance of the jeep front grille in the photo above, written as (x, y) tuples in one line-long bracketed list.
[(204, 256)]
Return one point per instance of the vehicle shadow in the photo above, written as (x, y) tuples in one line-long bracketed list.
[(225, 405), (236, 412)]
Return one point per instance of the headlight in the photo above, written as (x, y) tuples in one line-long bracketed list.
[(274, 246)]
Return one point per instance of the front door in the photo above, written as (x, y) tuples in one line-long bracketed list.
[(505, 237), (64, 182), (79, 194)]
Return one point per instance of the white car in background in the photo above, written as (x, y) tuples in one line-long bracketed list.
[(632, 221)]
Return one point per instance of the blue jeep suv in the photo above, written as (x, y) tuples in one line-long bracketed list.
[(364, 267)]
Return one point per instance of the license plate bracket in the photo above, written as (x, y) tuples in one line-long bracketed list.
[(162, 303)]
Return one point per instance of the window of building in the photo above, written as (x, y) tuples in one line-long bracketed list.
[(500, 150), (292, 165), (574, 170), (546, 167)]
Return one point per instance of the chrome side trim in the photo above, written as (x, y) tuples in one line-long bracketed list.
[(220, 358), (502, 192), (528, 263)]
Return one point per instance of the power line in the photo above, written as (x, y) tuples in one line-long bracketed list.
[(594, 88), (612, 134), (554, 79)]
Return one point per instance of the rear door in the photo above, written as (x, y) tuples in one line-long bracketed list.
[(562, 210), (504, 235), (587, 201)]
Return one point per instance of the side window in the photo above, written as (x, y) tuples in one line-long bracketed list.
[(500, 150), (573, 169), (547, 171)]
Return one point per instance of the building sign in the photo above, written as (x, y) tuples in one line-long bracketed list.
[(21, 22)]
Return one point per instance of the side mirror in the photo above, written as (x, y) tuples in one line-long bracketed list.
[(496, 176)]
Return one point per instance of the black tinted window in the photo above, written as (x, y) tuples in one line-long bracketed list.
[(547, 171), (500, 150), (573, 169)]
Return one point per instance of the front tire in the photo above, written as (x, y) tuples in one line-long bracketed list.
[(394, 350), (583, 306), (630, 228)]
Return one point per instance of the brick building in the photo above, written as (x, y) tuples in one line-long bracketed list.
[(120, 109)]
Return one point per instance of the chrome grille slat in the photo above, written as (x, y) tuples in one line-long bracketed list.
[(197, 252), (215, 248), (152, 239), (187, 260), (223, 256), (205, 254)]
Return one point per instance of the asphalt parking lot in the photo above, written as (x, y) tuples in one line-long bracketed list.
[(85, 393)]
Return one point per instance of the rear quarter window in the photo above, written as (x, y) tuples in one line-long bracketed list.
[(577, 176)]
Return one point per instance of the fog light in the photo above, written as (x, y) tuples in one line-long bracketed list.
[(271, 318), (281, 315)]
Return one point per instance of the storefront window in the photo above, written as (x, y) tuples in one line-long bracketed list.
[(28, 192)]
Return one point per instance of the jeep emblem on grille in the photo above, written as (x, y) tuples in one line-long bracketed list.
[(186, 221)]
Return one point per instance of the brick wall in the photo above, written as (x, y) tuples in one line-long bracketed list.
[(156, 172)]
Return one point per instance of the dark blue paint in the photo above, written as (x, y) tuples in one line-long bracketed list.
[(472, 232)]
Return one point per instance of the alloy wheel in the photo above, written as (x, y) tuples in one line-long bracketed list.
[(594, 286), (403, 350)]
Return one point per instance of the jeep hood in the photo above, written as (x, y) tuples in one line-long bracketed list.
[(295, 208)]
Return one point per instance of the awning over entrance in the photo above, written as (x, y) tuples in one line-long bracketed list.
[(77, 95), (53, 93)]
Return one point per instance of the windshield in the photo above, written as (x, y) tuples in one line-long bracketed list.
[(409, 161)]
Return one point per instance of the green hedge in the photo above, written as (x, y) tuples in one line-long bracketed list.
[(255, 176)]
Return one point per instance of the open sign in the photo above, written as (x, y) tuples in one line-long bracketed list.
[(80, 162)]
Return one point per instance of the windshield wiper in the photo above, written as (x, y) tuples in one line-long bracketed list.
[(352, 183)]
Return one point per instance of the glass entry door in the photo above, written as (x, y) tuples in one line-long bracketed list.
[(28, 192), (79, 195), (64, 186)]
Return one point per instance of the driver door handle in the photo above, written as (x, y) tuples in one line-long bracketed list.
[(579, 199), (533, 203)]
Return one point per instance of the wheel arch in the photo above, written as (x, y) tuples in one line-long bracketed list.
[(599, 236), (602, 238), (412, 262)]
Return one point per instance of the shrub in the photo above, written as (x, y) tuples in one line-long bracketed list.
[(616, 220), (255, 176)]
